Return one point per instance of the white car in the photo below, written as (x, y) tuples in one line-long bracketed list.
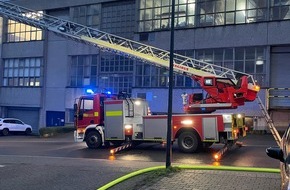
[(8, 125)]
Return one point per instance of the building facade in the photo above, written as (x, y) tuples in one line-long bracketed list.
[(42, 73)]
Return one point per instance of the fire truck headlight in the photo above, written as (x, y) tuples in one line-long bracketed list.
[(187, 122), (127, 127), (137, 102)]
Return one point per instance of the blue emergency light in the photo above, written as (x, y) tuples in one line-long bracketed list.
[(89, 91)]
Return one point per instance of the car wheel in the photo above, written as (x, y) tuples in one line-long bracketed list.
[(28, 131), (5, 132)]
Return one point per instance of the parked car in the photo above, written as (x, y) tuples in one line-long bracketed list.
[(282, 153), (10, 125)]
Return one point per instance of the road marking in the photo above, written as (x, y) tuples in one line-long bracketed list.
[(2, 166)]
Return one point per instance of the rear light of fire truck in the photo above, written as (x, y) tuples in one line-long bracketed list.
[(128, 129)]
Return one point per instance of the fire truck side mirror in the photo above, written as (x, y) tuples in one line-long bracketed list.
[(75, 108)]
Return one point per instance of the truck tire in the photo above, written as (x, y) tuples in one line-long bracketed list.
[(188, 142), (93, 140)]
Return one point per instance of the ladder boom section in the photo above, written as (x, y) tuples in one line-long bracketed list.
[(108, 42)]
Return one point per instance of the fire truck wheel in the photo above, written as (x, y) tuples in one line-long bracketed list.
[(188, 142), (94, 140)]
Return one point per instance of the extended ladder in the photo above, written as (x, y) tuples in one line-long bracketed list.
[(118, 45), (269, 121)]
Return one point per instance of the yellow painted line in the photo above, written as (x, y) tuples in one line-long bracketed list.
[(114, 113), (192, 167)]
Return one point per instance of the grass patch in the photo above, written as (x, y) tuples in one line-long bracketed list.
[(53, 131)]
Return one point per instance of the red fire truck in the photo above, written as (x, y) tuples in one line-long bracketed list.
[(103, 119)]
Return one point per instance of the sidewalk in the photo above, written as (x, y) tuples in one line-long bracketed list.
[(187, 179)]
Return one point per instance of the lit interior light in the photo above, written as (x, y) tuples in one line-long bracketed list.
[(239, 116), (259, 61)]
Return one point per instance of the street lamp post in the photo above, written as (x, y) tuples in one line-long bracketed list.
[(170, 87)]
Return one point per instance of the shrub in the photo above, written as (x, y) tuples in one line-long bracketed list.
[(53, 131)]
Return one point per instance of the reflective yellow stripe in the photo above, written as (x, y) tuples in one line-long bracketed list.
[(114, 113), (86, 115), (95, 114)]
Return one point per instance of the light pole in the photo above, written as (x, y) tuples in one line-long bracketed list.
[(170, 87)]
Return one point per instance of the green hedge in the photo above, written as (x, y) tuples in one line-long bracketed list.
[(53, 131)]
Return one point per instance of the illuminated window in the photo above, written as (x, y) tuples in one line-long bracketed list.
[(155, 14), (22, 72), (18, 32)]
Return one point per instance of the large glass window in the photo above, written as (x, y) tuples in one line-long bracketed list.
[(148, 75), (221, 12), (119, 18), (249, 60), (111, 63), (83, 70), (18, 32), (279, 9), (22, 72), (87, 15), (155, 14), (116, 83)]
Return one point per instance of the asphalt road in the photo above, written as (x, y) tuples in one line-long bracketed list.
[(29, 162)]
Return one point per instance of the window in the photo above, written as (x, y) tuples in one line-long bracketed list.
[(83, 70), (119, 18), (22, 72), (87, 15), (279, 9), (115, 63), (18, 32), (116, 83), (155, 14), (249, 60), (87, 105), (151, 76)]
